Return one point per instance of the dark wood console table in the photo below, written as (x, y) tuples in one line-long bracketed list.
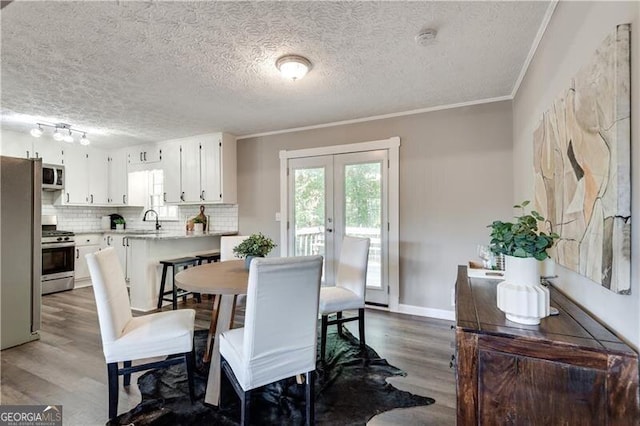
[(568, 370)]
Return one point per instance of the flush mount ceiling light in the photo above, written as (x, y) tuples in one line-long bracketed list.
[(293, 67), (62, 132)]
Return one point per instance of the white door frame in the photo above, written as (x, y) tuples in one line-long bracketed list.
[(393, 146)]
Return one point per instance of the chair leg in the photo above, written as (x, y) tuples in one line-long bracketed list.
[(310, 398), (112, 373), (190, 361), (162, 283), (323, 336), (245, 411), (339, 317), (361, 328), (127, 377)]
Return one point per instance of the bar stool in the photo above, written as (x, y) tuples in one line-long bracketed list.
[(214, 256), (175, 292)]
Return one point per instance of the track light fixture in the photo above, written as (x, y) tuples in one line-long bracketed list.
[(62, 132), (36, 132)]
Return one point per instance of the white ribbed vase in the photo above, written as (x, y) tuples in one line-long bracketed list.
[(521, 296)]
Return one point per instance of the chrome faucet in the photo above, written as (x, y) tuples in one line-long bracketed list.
[(144, 218)]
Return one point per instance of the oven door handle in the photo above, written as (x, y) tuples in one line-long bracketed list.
[(57, 245)]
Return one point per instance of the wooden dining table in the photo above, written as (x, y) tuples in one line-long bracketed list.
[(225, 280)]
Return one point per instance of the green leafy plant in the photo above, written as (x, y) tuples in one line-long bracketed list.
[(522, 238), (256, 245), (198, 219), (119, 221)]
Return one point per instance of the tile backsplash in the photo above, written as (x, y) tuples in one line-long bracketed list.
[(85, 219)]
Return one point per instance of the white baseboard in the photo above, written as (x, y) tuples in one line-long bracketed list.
[(427, 312)]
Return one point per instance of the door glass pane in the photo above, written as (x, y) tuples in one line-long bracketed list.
[(309, 211), (363, 212)]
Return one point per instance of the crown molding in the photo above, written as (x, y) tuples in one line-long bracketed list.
[(534, 46), (379, 117)]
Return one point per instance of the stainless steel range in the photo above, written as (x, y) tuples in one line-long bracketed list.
[(58, 257)]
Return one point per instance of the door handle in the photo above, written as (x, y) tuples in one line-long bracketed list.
[(145, 156), (329, 230), (108, 240), (123, 242), (124, 199), (77, 253), (202, 196), (182, 196), (164, 197), (27, 154), (67, 197), (141, 157), (91, 198)]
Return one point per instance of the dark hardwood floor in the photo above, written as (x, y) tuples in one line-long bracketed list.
[(66, 366)]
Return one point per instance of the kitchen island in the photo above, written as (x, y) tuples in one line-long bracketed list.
[(145, 251)]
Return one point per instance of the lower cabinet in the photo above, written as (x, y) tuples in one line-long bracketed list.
[(85, 244), (120, 244)]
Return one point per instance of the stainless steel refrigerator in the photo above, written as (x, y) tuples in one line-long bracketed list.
[(20, 250)]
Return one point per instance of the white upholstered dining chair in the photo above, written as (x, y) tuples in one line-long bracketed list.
[(279, 337), (126, 338), (349, 290), (227, 244)]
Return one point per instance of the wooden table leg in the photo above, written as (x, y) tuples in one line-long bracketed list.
[(215, 308), (225, 319)]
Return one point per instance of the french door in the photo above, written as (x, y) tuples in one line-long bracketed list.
[(331, 196)]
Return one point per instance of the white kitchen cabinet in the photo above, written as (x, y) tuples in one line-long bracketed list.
[(51, 151), (171, 165), (98, 173), (190, 171), (15, 144), (76, 184), (26, 146), (143, 154), (210, 170), (86, 181), (117, 178), (119, 243), (85, 244), (200, 169)]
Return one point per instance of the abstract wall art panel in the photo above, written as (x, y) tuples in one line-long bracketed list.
[(582, 167)]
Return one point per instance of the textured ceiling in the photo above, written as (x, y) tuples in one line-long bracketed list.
[(132, 72)]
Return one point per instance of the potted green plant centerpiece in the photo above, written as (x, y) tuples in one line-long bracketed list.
[(198, 225), (256, 245), (119, 224), (520, 295)]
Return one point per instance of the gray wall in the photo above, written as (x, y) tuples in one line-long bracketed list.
[(575, 30), (455, 178)]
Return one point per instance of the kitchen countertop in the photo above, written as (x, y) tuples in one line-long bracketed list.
[(147, 234), (174, 235)]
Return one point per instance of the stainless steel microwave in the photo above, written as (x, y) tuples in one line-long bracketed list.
[(52, 177)]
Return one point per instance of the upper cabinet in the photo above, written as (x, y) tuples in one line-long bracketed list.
[(76, 181), (26, 146), (86, 179), (49, 150), (143, 154), (200, 169), (117, 178)]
